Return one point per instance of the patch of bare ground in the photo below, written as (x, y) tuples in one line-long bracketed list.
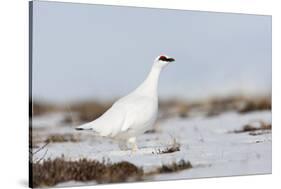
[(61, 138), (52, 172), (255, 129)]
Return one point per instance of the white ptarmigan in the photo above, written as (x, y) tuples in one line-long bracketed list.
[(133, 114)]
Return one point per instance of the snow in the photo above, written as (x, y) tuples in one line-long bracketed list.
[(209, 143)]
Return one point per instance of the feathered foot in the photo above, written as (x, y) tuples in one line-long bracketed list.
[(133, 144)]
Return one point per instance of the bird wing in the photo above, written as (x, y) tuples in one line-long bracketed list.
[(124, 114), (110, 123)]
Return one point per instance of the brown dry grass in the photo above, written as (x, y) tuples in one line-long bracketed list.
[(62, 138), (40, 108), (251, 128), (214, 106), (88, 111), (259, 104), (239, 104), (51, 172), (174, 167)]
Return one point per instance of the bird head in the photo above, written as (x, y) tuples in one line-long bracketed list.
[(163, 60)]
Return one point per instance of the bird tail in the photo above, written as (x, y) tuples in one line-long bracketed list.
[(86, 126)]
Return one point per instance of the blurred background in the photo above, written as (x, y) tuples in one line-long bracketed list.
[(87, 56)]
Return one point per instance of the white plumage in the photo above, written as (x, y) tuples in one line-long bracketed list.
[(133, 114)]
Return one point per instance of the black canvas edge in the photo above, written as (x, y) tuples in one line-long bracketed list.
[(30, 35)]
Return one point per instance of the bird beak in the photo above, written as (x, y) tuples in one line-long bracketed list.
[(170, 59)]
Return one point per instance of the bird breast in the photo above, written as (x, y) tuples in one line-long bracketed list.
[(141, 113)]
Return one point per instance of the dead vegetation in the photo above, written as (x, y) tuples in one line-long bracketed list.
[(174, 147), (174, 167), (32, 153), (214, 106), (253, 105), (62, 138), (239, 104), (167, 150), (89, 110), (86, 111), (252, 128), (41, 107), (170, 168), (51, 172)]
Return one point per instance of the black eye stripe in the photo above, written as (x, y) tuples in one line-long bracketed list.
[(164, 58)]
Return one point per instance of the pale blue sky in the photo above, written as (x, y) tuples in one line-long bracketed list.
[(85, 51)]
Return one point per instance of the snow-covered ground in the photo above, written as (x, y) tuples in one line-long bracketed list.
[(209, 143)]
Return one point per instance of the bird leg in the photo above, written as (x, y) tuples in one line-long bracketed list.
[(133, 143)]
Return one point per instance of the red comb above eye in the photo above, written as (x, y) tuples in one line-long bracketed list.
[(163, 58)]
